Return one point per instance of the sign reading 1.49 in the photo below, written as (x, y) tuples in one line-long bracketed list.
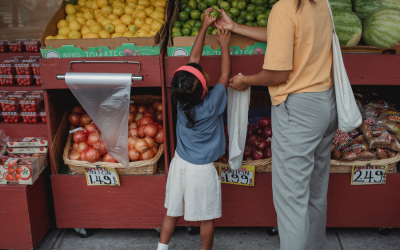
[(101, 176), (369, 174)]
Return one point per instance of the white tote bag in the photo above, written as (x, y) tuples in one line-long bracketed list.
[(349, 115)]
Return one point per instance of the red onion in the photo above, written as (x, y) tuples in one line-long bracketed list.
[(259, 131), (248, 158), (133, 108), (159, 137), (155, 150), (159, 116), (138, 117), (269, 143), (262, 145), (267, 132), (144, 121), (75, 146), (151, 110), (108, 158), (131, 118), (78, 110), (141, 146), (92, 155), (257, 155), (76, 156), (140, 132), (159, 107), (134, 155), (91, 127), (158, 126), (132, 125), (133, 132), (149, 141), (148, 155), (151, 115), (155, 103), (82, 146), (142, 109), (80, 136), (248, 150), (253, 140), (83, 155), (264, 122), (73, 118), (132, 142), (85, 119), (150, 130), (99, 145), (93, 137), (267, 153)]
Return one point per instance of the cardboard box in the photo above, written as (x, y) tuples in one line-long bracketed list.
[(28, 142), (102, 47)]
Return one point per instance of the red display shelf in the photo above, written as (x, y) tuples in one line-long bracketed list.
[(21, 88), (5, 56), (18, 130)]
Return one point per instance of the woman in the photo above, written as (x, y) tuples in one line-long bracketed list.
[(297, 70)]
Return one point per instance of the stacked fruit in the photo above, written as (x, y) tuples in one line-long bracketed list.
[(112, 18), (248, 12), (20, 70), (17, 46), (33, 46), (14, 170), (4, 46)]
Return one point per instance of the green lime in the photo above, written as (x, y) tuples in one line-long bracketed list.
[(195, 33), (258, 12), (186, 25), (249, 17), (186, 31), (256, 25), (219, 2), (241, 5), (195, 14), (249, 24), (235, 11), (241, 20), (230, 14), (229, 1), (176, 29), (257, 3), (195, 29), (261, 8), (252, 1), (193, 4), (234, 4), (225, 6), (197, 24), (210, 28), (215, 7), (250, 8), (211, 2), (183, 16), (201, 17), (177, 24), (188, 9), (267, 12), (263, 22), (175, 34), (209, 32), (243, 13), (215, 13), (202, 6), (261, 16), (191, 22), (214, 32), (182, 6)]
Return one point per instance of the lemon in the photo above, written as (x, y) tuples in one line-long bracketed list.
[(83, 9), (93, 23), (88, 3), (88, 15), (92, 35), (132, 28), (160, 9), (144, 2), (102, 3), (131, 1), (159, 4), (121, 28), (96, 28), (153, 32), (62, 23), (122, 5), (128, 34), (75, 25), (90, 22), (64, 31), (119, 11), (127, 19), (79, 15), (148, 11), (161, 21), (74, 35), (106, 10), (129, 10), (152, 7), (109, 27), (81, 20), (156, 25), (98, 12), (116, 35), (141, 33), (70, 9), (134, 13), (100, 18), (116, 22), (113, 16), (140, 7), (70, 18), (139, 22), (77, 8), (93, 5), (146, 27), (157, 15), (81, 3), (132, 4), (141, 14), (85, 30), (106, 21), (104, 34), (148, 20), (61, 37)]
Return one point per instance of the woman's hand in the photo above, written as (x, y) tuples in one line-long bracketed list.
[(223, 38), (225, 22), (238, 83), (207, 20)]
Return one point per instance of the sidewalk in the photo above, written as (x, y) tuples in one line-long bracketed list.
[(225, 239)]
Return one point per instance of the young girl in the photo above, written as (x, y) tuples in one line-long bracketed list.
[(193, 186)]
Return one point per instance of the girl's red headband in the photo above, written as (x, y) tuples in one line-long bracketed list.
[(197, 74)]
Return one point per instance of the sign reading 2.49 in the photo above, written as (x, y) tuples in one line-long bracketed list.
[(369, 174), (243, 176), (101, 176)]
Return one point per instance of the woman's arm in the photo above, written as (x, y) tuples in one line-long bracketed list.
[(197, 50), (256, 33), (264, 78), (224, 36)]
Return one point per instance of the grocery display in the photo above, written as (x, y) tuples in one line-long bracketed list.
[(348, 27), (364, 7), (4, 46)]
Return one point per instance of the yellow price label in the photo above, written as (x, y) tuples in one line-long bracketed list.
[(243, 176), (368, 174), (101, 176)]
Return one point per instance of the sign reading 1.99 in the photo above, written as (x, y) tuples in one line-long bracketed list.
[(101, 176), (369, 174), (243, 176)]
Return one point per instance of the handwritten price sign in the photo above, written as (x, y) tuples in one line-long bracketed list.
[(101, 176), (243, 176), (366, 175)]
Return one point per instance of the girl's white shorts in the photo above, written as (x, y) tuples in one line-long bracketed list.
[(193, 191)]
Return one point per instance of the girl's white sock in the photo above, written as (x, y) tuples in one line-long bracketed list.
[(162, 246)]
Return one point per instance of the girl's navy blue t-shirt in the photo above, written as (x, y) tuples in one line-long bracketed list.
[(205, 141)]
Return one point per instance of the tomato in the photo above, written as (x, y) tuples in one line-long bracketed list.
[(263, 22), (214, 13), (249, 18), (234, 4), (259, 2), (11, 170), (214, 32), (186, 31), (177, 24), (225, 6), (184, 16), (195, 33), (19, 170), (195, 14), (202, 6), (193, 4), (195, 29), (182, 6), (188, 9), (10, 177), (10, 164), (176, 29), (211, 2), (175, 34), (235, 11), (197, 24), (191, 23), (17, 176), (240, 20), (250, 8), (187, 25)]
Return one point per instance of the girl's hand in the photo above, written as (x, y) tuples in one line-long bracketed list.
[(237, 83), (207, 20), (224, 36), (225, 22)]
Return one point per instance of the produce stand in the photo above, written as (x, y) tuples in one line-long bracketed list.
[(348, 205)]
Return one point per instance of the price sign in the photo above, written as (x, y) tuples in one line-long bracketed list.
[(243, 176), (101, 176), (366, 175)]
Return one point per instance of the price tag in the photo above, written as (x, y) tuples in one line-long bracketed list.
[(366, 175), (243, 176), (101, 176)]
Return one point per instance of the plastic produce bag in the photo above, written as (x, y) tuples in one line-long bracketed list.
[(238, 109), (106, 97)]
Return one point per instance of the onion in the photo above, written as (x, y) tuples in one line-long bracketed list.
[(92, 155), (76, 156), (144, 121), (131, 118), (264, 122), (82, 146), (253, 140), (155, 150), (159, 107), (138, 117), (141, 146), (132, 142), (259, 131), (267, 132), (85, 119), (149, 141), (159, 116), (99, 145), (140, 132), (151, 115), (83, 155), (132, 125), (151, 110), (133, 155), (248, 150), (91, 127), (155, 103), (75, 146), (263, 145), (267, 153), (248, 158), (78, 110), (80, 136), (73, 118), (133, 108), (148, 155), (257, 155), (93, 137), (159, 137), (150, 130), (133, 132), (108, 158), (142, 109), (158, 126)]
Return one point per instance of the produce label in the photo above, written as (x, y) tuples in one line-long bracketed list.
[(243, 176), (41, 150), (101, 176), (369, 174)]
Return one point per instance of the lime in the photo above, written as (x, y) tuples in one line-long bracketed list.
[(211, 2), (225, 6), (176, 29), (197, 24), (234, 4), (219, 2), (183, 16), (243, 13), (235, 11), (241, 5), (262, 16), (195, 33), (256, 25), (267, 12), (193, 4), (182, 6), (175, 34), (188, 9), (201, 17), (250, 8), (241, 20), (257, 3), (271, 5), (249, 17), (230, 14), (252, 1), (249, 24), (214, 32), (186, 25), (186, 31), (202, 6), (261, 8), (209, 32), (191, 22), (195, 14), (252, 13), (215, 7), (258, 12), (215, 13), (195, 29), (177, 24), (263, 22), (229, 1)]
